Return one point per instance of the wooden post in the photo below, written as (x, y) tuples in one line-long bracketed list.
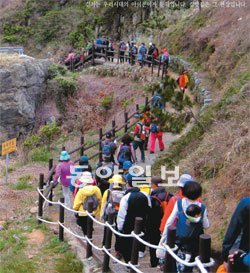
[(153, 92), (205, 248), (100, 145), (126, 120), (137, 108), (106, 53), (113, 128), (159, 67), (146, 101), (108, 240), (51, 192), (61, 219), (89, 230), (163, 70), (93, 55), (170, 263), (40, 198), (118, 55), (82, 148), (136, 243)]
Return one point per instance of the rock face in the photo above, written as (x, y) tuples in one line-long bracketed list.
[(21, 87)]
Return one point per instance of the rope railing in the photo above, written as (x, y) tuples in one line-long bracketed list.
[(136, 235)]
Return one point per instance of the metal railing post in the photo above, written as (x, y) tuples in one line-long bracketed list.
[(82, 148), (61, 220), (40, 198), (89, 230), (51, 192), (170, 263), (136, 243), (100, 145)]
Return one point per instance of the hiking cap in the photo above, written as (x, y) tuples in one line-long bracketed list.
[(84, 158), (126, 165), (64, 156), (86, 178), (108, 135), (183, 179), (137, 116), (156, 180)]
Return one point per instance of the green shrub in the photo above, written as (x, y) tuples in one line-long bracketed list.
[(56, 70), (40, 155), (31, 141), (106, 102), (48, 133), (21, 185)]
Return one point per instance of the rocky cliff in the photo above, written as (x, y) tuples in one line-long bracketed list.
[(22, 83)]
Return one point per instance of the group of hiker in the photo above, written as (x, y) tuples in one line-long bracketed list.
[(113, 187), (128, 52)]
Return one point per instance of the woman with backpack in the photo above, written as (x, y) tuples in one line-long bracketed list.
[(126, 151), (190, 217), (110, 205), (86, 194), (155, 133)]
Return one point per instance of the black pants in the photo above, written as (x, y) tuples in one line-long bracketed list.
[(126, 246), (154, 239), (139, 144), (82, 222)]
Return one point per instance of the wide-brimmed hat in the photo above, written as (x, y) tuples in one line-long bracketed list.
[(64, 156), (117, 181), (86, 178), (183, 179)]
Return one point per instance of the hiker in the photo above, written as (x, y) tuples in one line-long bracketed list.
[(105, 44), (147, 117), (183, 81), (84, 166), (133, 204), (63, 174), (98, 44), (104, 172), (126, 166), (122, 49), (110, 205), (165, 59), (69, 58), (142, 52), (155, 133), (111, 50), (159, 200), (239, 225), (128, 45), (126, 151), (169, 208), (157, 102), (150, 53), (190, 218), (155, 53), (139, 136), (89, 47), (133, 51), (109, 147), (88, 193)]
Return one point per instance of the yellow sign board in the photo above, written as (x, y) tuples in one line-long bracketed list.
[(9, 146)]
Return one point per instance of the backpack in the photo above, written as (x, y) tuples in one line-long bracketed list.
[(164, 57), (123, 46), (113, 202), (106, 149), (156, 101), (141, 134), (134, 50), (143, 50), (154, 128), (155, 53), (124, 154), (93, 198), (163, 201), (188, 233)]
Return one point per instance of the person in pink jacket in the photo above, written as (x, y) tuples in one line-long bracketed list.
[(155, 133), (62, 174)]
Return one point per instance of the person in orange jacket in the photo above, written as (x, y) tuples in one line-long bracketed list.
[(183, 81), (170, 206)]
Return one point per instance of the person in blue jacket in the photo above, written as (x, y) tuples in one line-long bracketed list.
[(239, 226)]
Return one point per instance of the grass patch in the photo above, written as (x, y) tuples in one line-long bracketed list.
[(56, 246), (40, 155), (68, 263)]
